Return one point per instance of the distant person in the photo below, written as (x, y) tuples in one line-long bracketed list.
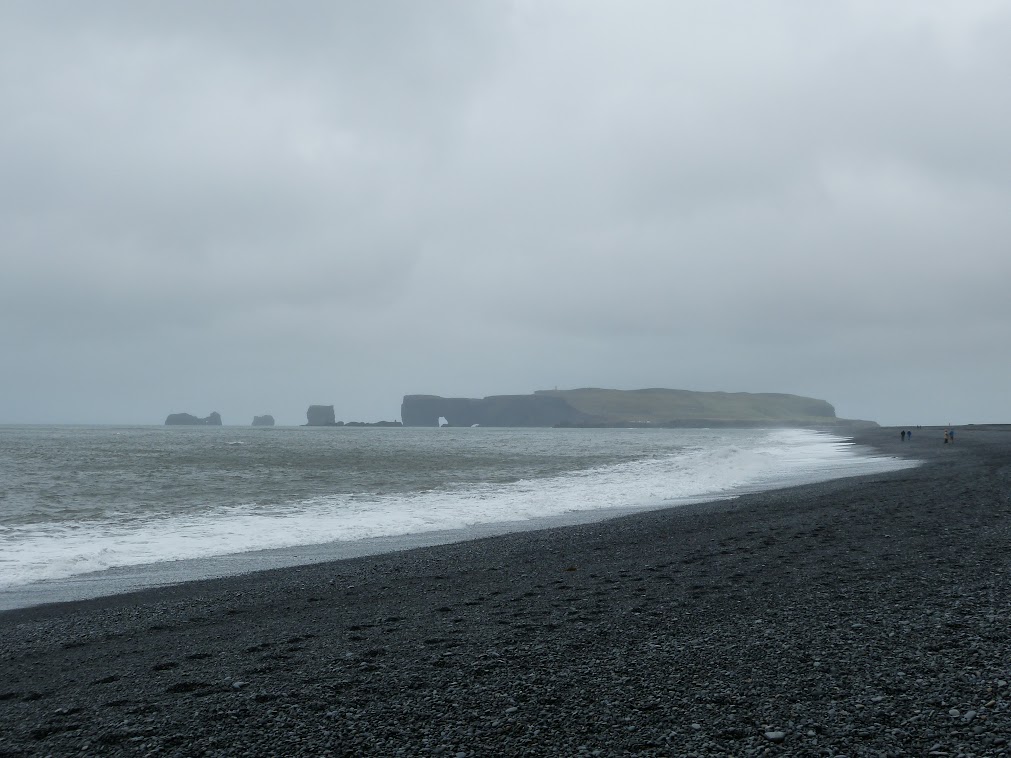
[(951, 434), (903, 435), (909, 434), (945, 436)]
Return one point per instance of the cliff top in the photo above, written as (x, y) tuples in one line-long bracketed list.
[(657, 405)]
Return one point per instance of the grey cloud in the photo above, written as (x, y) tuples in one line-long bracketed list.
[(480, 197)]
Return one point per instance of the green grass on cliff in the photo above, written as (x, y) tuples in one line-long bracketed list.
[(663, 405)]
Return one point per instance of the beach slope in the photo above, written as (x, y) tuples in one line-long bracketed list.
[(866, 616)]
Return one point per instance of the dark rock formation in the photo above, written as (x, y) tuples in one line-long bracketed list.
[(592, 407), (267, 420), (320, 415), (497, 410), (186, 419), (666, 407)]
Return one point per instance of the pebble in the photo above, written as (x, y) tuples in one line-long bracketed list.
[(658, 645)]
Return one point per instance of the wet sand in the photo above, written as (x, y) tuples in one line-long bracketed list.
[(866, 616)]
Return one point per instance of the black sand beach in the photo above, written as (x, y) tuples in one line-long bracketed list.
[(861, 617)]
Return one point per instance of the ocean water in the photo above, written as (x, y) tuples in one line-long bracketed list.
[(79, 500)]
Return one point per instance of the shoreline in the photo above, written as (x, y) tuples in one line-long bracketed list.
[(863, 615), (137, 577)]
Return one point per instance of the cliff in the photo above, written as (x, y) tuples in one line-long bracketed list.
[(187, 419), (267, 420), (497, 410), (320, 415), (603, 407), (676, 407)]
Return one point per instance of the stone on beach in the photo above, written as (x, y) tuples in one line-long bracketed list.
[(866, 616)]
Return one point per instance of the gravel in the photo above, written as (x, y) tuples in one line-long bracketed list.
[(861, 617)]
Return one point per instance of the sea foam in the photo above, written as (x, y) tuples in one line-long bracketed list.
[(720, 468)]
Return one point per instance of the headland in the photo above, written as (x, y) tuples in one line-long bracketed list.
[(657, 407), (188, 419)]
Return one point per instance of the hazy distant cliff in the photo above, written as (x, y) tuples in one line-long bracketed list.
[(320, 415), (497, 410), (187, 419), (602, 407), (661, 406)]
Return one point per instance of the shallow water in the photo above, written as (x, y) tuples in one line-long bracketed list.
[(76, 500)]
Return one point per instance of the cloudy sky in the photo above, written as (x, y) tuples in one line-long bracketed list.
[(251, 206)]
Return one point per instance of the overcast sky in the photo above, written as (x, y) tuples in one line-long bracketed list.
[(250, 207)]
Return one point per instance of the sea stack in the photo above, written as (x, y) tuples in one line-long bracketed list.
[(320, 415), (266, 420), (188, 419)]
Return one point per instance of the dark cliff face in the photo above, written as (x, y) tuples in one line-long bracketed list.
[(659, 406), (497, 410), (602, 407), (187, 419), (267, 420), (320, 415)]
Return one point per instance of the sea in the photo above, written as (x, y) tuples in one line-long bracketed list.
[(87, 511)]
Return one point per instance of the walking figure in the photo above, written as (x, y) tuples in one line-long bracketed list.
[(945, 436), (903, 435)]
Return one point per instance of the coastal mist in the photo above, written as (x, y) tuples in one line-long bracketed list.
[(79, 500)]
